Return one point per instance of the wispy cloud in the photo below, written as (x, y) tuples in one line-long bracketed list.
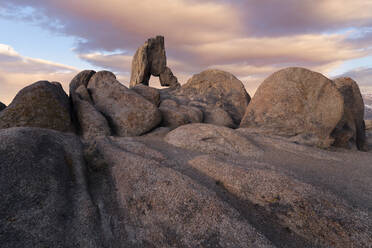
[(17, 71)]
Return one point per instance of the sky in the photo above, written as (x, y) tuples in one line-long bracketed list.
[(54, 39)]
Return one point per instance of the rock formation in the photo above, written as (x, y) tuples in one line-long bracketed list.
[(149, 93), (45, 199), (218, 88), (296, 102), (150, 59), (212, 139), (2, 106), (42, 104), (128, 113), (175, 115), (185, 177), (351, 128), (89, 121)]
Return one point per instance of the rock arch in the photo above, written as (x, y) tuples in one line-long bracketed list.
[(150, 59)]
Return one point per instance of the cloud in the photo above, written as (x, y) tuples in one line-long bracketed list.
[(288, 17), (17, 71), (114, 24), (311, 49), (120, 63), (250, 38)]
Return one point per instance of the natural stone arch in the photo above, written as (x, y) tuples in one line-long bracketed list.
[(150, 59)]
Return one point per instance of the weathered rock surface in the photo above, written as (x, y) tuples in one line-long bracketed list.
[(350, 130), (91, 123), (81, 78), (150, 59), (168, 79), (296, 102), (42, 104), (199, 185), (214, 115), (165, 208), (156, 55), (144, 192), (218, 88), (2, 106), (140, 73), (128, 113), (149, 93), (290, 203), (45, 201), (175, 115), (212, 139)]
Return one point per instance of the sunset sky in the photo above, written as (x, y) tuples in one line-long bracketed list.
[(54, 39)]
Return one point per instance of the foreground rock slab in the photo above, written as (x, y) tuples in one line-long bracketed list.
[(45, 200), (212, 139), (296, 102), (42, 104), (166, 208)]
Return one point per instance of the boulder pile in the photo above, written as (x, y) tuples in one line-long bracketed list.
[(197, 165)]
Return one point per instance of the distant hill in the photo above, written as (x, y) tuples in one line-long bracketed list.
[(368, 106)]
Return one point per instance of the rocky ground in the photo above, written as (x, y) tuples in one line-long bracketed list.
[(197, 165)]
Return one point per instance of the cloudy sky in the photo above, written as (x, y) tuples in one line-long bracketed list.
[(54, 39)]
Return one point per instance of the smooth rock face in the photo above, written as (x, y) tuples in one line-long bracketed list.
[(350, 130), (44, 196), (140, 67), (175, 115), (42, 104), (296, 102), (156, 55), (149, 93), (81, 78), (212, 139), (2, 106), (92, 123), (218, 88), (128, 113)]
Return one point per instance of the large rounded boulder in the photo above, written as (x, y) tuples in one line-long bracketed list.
[(128, 113), (350, 130), (296, 102), (218, 88), (42, 104)]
